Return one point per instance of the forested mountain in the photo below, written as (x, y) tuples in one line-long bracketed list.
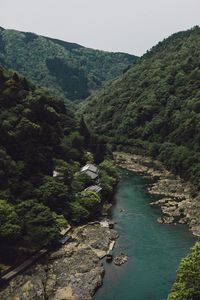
[(38, 137), (69, 69), (155, 106)]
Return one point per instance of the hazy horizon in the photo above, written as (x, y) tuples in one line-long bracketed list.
[(129, 26)]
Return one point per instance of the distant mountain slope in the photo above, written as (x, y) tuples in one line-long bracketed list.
[(71, 70), (156, 105)]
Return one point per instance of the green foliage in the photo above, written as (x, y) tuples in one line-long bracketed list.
[(8, 170), (78, 212), (154, 106), (87, 205), (42, 148), (109, 167), (70, 70), (39, 225), (187, 284), (38, 135), (60, 220), (53, 194), (94, 143), (72, 80), (108, 178), (80, 182), (65, 171), (107, 184), (10, 226), (84, 131), (88, 157), (89, 200)]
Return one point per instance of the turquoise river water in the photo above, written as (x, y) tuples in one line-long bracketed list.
[(154, 250)]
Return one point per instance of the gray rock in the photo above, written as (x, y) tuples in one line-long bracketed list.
[(120, 259), (74, 272)]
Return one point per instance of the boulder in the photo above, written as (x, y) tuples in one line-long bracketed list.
[(120, 259)]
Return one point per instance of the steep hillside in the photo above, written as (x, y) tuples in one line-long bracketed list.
[(71, 70), (42, 147), (155, 106)]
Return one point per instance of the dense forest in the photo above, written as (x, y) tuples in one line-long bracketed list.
[(154, 108), (69, 69), (39, 135)]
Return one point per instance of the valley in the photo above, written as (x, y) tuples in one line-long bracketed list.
[(69, 120)]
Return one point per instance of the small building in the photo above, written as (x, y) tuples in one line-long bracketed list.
[(64, 239), (90, 167), (92, 175), (94, 188), (91, 170)]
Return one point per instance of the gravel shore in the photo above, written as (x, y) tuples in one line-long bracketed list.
[(176, 198), (74, 272)]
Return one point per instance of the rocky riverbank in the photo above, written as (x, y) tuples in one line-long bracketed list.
[(176, 198), (74, 272)]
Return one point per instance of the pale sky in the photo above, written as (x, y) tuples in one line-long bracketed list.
[(131, 26)]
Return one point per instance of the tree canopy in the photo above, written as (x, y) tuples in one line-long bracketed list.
[(187, 284), (42, 148)]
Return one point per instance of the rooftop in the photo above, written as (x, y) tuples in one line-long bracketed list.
[(91, 174), (94, 188), (89, 167)]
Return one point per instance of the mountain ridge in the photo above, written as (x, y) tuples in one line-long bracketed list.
[(155, 101), (71, 70)]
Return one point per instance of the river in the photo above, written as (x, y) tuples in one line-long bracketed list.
[(154, 250)]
